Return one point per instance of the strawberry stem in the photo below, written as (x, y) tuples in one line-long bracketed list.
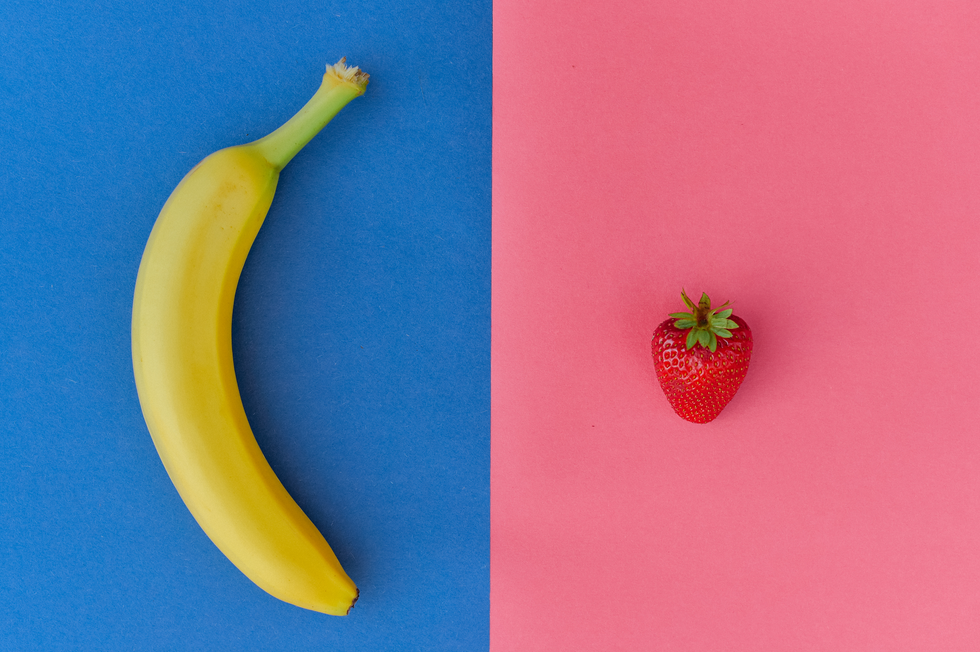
[(704, 324)]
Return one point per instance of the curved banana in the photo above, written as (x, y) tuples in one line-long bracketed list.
[(185, 375)]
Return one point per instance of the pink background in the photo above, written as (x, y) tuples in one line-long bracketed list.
[(818, 164)]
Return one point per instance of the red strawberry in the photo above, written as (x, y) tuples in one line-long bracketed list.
[(701, 358)]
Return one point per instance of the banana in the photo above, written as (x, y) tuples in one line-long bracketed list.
[(185, 374)]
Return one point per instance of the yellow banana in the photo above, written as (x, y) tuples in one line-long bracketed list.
[(185, 375)]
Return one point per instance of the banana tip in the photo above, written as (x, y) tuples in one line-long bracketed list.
[(349, 74), (357, 594)]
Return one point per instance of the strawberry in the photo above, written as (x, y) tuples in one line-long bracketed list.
[(701, 358)]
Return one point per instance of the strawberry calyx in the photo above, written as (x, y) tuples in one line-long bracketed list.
[(704, 324)]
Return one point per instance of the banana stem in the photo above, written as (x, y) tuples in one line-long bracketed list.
[(341, 84)]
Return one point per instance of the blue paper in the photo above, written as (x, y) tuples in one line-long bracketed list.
[(361, 326)]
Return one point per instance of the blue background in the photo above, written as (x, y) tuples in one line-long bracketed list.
[(361, 327)]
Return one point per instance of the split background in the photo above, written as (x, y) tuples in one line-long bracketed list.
[(814, 162)]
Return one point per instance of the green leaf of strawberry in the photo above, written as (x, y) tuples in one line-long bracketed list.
[(701, 358), (706, 325)]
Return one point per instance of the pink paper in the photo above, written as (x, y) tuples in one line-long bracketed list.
[(818, 164)]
